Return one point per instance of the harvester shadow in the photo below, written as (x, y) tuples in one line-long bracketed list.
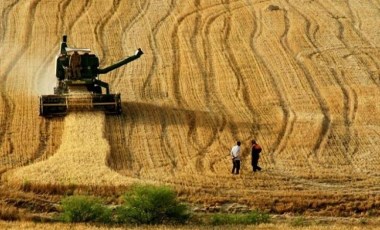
[(119, 128), (146, 113)]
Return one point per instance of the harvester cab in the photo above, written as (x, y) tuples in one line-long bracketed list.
[(78, 85)]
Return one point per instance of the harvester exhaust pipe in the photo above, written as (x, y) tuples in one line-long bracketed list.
[(64, 44)]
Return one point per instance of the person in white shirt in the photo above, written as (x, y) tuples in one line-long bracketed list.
[(235, 154)]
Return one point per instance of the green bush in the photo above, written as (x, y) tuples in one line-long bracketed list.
[(84, 209), (147, 204), (254, 217)]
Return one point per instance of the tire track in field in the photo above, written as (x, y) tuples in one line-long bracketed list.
[(62, 24), (86, 13), (256, 32), (166, 143), (175, 43), (177, 59), (44, 137), (100, 25), (357, 29), (83, 11), (327, 120), (208, 86), (143, 9), (233, 63), (350, 100), (165, 140), (221, 124), (322, 104), (99, 29), (45, 124), (153, 44), (350, 104), (8, 103), (65, 26), (346, 44), (129, 147), (209, 78), (177, 50), (356, 21), (211, 101), (266, 71), (326, 123), (350, 110), (4, 123), (117, 140), (232, 60), (126, 146), (191, 135), (4, 22), (62, 6), (114, 126), (350, 97), (292, 115), (192, 119)]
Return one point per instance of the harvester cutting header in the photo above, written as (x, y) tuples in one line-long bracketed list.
[(78, 85)]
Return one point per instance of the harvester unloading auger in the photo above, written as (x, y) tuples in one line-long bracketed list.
[(78, 85)]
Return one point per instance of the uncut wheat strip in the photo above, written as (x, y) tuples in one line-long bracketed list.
[(81, 158)]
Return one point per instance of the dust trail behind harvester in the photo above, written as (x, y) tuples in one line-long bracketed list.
[(81, 158)]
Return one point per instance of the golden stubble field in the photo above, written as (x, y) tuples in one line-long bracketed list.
[(300, 76)]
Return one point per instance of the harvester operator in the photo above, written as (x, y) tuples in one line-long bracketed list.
[(75, 65)]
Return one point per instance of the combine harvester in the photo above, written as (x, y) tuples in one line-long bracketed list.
[(78, 85)]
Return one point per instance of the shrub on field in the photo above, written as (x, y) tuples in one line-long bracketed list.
[(254, 217), (147, 204), (84, 209)]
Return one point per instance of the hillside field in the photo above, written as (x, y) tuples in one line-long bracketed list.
[(302, 77)]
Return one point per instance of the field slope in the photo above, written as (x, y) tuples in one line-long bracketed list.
[(299, 76)]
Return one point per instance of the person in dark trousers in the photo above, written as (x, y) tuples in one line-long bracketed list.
[(255, 152), (235, 154), (75, 62)]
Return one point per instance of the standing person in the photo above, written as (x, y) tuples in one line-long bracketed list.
[(255, 152), (75, 65), (235, 154)]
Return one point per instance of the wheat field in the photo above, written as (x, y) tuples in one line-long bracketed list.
[(299, 76)]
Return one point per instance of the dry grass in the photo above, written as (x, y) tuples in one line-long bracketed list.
[(59, 226)]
